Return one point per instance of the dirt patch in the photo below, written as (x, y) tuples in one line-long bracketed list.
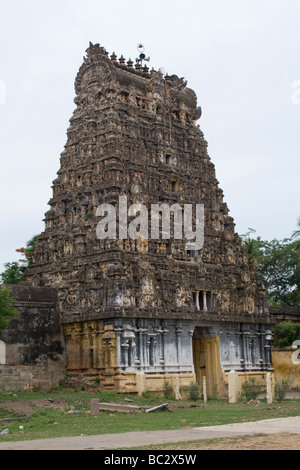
[(282, 441), (28, 407)]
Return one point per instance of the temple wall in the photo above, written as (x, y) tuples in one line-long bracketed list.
[(32, 351), (245, 346), (31, 378), (287, 366), (122, 351)]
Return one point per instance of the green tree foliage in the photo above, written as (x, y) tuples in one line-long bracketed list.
[(278, 264), (296, 237), (285, 333), (7, 310), (14, 272)]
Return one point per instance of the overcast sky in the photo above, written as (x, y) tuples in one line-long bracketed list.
[(240, 56)]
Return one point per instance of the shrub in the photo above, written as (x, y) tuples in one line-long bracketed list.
[(281, 389), (194, 392), (168, 390), (251, 389), (215, 390)]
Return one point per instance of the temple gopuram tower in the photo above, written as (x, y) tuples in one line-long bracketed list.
[(139, 312)]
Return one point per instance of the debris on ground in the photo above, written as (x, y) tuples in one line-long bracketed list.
[(157, 408), (120, 407)]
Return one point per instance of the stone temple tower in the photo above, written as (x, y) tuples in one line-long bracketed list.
[(137, 311)]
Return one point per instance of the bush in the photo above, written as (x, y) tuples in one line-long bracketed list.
[(281, 389), (251, 389), (194, 392), (168, 390)]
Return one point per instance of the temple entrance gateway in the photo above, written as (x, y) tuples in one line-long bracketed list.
[(129, 302), (206, 358)]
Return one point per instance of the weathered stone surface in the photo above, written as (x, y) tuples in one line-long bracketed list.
[(119, 407), (134, 134), (31, 377), (233, 386), (94, 406), (270, 388), (157, 408), (130, 306), (35, 336)]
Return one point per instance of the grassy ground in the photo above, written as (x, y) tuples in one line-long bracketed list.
[(48, 416)]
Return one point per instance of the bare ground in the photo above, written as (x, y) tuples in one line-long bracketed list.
[(27, 407), (260, 442)]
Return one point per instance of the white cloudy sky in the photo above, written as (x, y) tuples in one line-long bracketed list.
[(240, 56)]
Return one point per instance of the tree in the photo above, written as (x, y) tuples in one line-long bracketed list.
[(296, 235), (28, 251), (278, 265), (253, 246), (285, 333), (14, 272), (7, 310)]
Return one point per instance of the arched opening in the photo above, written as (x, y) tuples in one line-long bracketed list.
[(168, 159), (174, 186)]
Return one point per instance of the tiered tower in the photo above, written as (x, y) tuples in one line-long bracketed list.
[(149, 308)]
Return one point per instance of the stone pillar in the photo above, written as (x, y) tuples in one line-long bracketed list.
[(176, 388), (270, 388), (141, 348), (191, 359), (125, 348), (147, 351), (164, 334), (118, 332), (197, 299), (261, 346), (268, 343), (178, 331), (2, 353), (97, 343), (204, 302), (242, 346), (204, 390), (233, 386), (95, 407), (112, 354), (140, 381)]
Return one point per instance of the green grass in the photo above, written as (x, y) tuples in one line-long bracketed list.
[(47, 422)]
